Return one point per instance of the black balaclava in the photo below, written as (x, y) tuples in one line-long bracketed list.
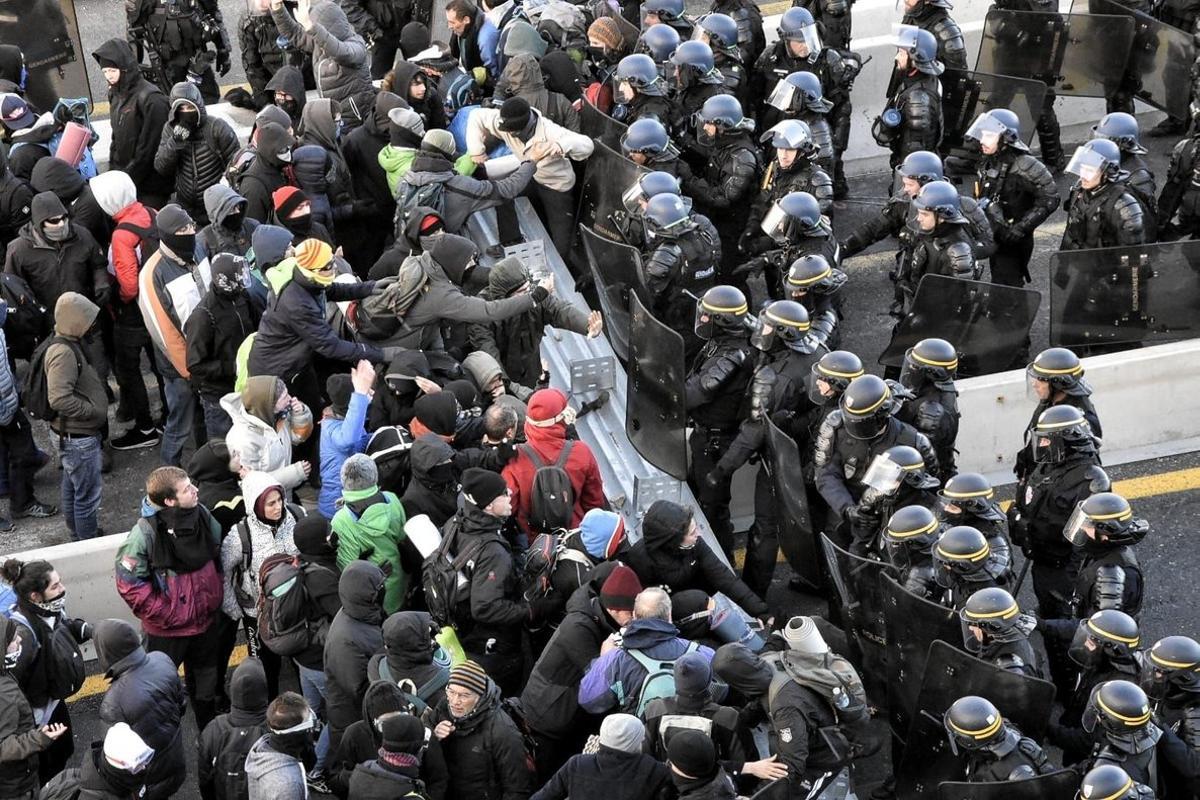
[(171, 219), (234, 219), (227, 276)]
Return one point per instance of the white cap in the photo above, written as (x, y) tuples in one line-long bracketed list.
[(802, 635), (125, 750)]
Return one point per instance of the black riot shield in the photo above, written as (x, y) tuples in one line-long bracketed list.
[(966, 95), (858, 586), (1125, 296), (607, 176), (1078, 55), (912, 624), (617, 272), (595, 123), (48, 34), (796, 537), (1062, 784), (951, 673), (986, 322), (655, 414), (1161, 58)]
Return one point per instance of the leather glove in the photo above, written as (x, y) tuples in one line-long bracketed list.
[(224, 63), (80, 630)]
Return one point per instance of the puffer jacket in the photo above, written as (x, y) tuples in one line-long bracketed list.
[(15, 199), (138, 110), (56, 175), (553, 173), (265, 540), (52, 268), (311, 168), (353, 638), (9, 401), (20, 740), (117, 197), (199, 161), (516, 341), (214, 332), (147, 695), (73, 387), (522, 77), (370, 527), (463, 195), (261, 445)]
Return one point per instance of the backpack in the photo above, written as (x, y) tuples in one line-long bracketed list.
[(238, 165), (541, 559), (28, 322), (837, 682), (243, 567), (416, 698), (230, 772), (516, 712), (659, 680), (63, 660), (283, 606), (389, 447), (410, 196), (35, 395), (447, 581), (552, 497), (379, 317), (148, 245)]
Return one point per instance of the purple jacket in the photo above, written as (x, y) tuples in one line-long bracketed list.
[(614, 680)]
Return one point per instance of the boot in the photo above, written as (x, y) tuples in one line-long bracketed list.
[(1168, 127)]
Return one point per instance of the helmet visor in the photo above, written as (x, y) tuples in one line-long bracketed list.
[(703, 323), (884, 475), (904, 36), (774, 224), (1086, 163), (623, 90), (763, 337), (1074, 531), (782, 96), (633, 198), (985, 130), (810, 36)]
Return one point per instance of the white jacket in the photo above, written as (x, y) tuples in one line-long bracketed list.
[(264, 541), (553, 173), (263, 448)]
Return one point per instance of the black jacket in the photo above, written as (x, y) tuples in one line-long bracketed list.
[(609, 775), (262, 56), (1107, 216), (361, 150), (214, 331), (425, 494), (221, 235), (289, 79), (408, 653), (53, 268), (376, 780), (919, 101), (56, 175), (198, 161), (485, 754), (265, 174), (1024, 190), (226, 740), (93, 779), (20, 739), (15, 199), (138, 111), (353, 638)]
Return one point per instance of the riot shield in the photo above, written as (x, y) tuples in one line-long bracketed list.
[(986, 322), (1077, 55), (796, 537), (595, 123), (607, 176), (1161, 58), (48, 34), (966, 95), (1060, 785), (1125, 296), (617, 272), (912, 624), (655, 414), (858, 586), (951, 673)]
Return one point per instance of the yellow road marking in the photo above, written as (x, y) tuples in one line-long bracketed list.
[(98, 684)]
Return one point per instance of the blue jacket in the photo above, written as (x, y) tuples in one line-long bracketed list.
[(614, 680), (8, 384), (340, 439)]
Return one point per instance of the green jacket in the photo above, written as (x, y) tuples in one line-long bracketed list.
[(370, 527), (397, 161)]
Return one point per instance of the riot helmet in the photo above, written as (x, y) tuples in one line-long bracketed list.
[(973, 723), (835, 370), (995, 613), (648, 186), (637, 74), (995, 130), (1095, 162), (941, 200), (1171, 669), (647, 136), (929, 361), (912, 530), (921, 47), (866, 407), (797, 25), (1107, 634), (667, 11), (1060, 431), (793, 134), (794, 216), (785, 321), (666, 216), (1061, 370), (659, 42), (812, 275), (724, 113), (960, 552), (897, 465), (799, 91), (1122, 130), (722, 308), (1110, 782), (967, 493), (720, 31), (693, 60), (1119, 707), (922, 166), (1103, 521)]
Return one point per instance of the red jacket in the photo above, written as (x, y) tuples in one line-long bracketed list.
[(123, 253), (581, 466)]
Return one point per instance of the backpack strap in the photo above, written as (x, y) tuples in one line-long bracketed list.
[(533, 456), (247, 545), (564, 454), (433, 685)]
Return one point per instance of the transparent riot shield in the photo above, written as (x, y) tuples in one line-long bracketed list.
[(595, 123), (796, 537), (655, 413), (1161, 57), (912, 623), (1060, 785), (951, 673), (1078, 55), (986, 322), (1125, 296), (858, 585), (607, 176), (48, 34), (617, 273), (966, 95)]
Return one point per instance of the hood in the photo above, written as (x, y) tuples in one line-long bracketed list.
[(270, 242), (359, 589), (56, 175), (453, 254), (248, 687), (44, 206), (317, 124), (209, 465), (189, 93), (291, 80), (407, 365), (665, 524), (403, 73), (746, 673), (11, 61), (269, 113), (406, 637), (521, 38), (377, 123), (427, 452), (483, 369), (115, 641), (428, 168), (263, 760), (602, 533), (74, 315), (258, 399), (220, 201), (272, 140), (642, 634), (330, 16), (381, 697), (521, 76), (310, 161), (120, 53), (114, 191), (254, 486), (506, 276), (561, 75)]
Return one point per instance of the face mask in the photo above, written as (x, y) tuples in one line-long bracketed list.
[(301, 225), (56, 233), (54, 606), (11, 659), (188, 119), (234, 221), (181, 244)]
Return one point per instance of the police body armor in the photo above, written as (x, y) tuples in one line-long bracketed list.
[(952, 49), (1137, 755), (1083, 402), (947, 251), (1111, 580), (644, 105), (802, 176), (856, 455), (934, 412), (1141, 184), (1108, 216), (1014, 758), (1017, 655), (777, 63), (918, 100), (1020, 193), (779, 384), (726, 363), (683, 264), (1181, 190), (1047, 500)]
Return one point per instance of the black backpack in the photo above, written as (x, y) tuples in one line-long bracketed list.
[(542, 557), (230, 766), (410, 196), (149, 237), (28, 322), (552, 497), (284, 623), (35, 395), (447, 581)]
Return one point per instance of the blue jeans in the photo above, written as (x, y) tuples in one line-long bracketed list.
[(312, 686), (81, 485), (181, 411), (216, 419)]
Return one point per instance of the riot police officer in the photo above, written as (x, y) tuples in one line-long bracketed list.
[(682, 263), (1108, 576), (897, 478), (994, 748), (799, 96), (1122, 130), (1048, 131), (1110, 782), (815, 284), (960, 562), (659, 41), (833, 21), (793, 169), (848, 441), (934, 16), (1181, 189), (667, 12), (1066, 470), (912, 119), (942, 244), (1102, 211), (178, 33), (720, 33), (713, 395), (1100, 648), (647, 144), (1056, 377), (995, 631), (908, 541), (928, 372), (966, 499), (1171, 678), (799, 49), (696, 80), (265, 51), (640, 91), (751, 38), (793, 226), (1119, 718), (631, 222), (1016, 190)]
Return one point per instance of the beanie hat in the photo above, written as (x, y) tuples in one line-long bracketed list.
[(606, 31), (546, 407), (405, 127), (514, 115), (693, 674), (464, 392), (286, 200), (469, 675), (620, 589), (312, 256), (125, 750), (438, 412), (482, 486), (802, 635), (414, 37), (339, 387), (623, 732), (440, 141), (602, 532), (311, 535), (692, 753), (402, 733), (691, 614)]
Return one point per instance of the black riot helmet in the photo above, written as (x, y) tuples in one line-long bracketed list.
[(922, 166), (694, 60), (797, 25), (970, 493), (912, 529), (1171, 669), (1122, 130), (793, 134), (960, 551), (836, 369), (866, 407), (795, 215), (783, 321), (929, 361), (973, 723), (641, 73), (646, 135), (1108, 634), (913, 470), (659, 42), (942, 200), (1109, 782), (720, 29), (1000, 126), (665, 10), (724, 112), (666, 216), (1120, 708), (1060, 368), (995, 612), (1064, 430), (722, 308), (812, 273), (648, 186), (1097, 157), (1108, 518), (799, 91), (921, 46)]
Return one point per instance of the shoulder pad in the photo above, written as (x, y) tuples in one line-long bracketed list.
[(746, 157), (961, 257), (1098, 479), (1021, 773), (1010, 662)]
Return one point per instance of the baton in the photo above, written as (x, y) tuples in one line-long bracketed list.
[(1021, 578)]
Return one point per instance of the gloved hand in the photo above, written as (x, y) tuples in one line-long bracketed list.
[(712, 480), (224, 63), (743, 241), (80, 630), (180, 133), (853, 515), (104, 295), (480, 75)]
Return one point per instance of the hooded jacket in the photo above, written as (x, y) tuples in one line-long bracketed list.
[(370, 527), (554, 173), (199, 161), (431, 109), (52, 268), (213, 333), (522, 77), (609, 774), (269, 244), (290, 80), (147, 695), (15, 200), (138, 110), (318, 126), (361, 149), (265, 540), (430, 493), (56, 175), (220, 491), (271, 775), (266, 172), (341, 61), (117, 197), (462, 195), (73, 388), (261, 445), (170, 286), (353, 638), (341, 437), (408, 654), (220, 202), (262, 57), (20, 740), (485, 753), (228, 738)]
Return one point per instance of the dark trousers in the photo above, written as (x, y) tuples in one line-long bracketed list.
[(19, 453), (54, 758), (198, 657), (707, 446), (305, 386), (383, 53), (1010, 262), (271, 662), (556, 210), (130, 340)]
